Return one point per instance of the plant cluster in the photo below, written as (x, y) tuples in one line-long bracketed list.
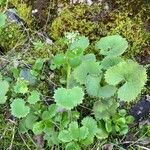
[(84, 79)]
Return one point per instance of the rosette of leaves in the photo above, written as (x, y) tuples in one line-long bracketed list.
[(75, 134), (119, 123), (68, 98), (104, 109), (130, 75), (4, 87), (112, 46)]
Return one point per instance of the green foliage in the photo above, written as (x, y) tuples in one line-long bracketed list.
[(34, 97), (86, 83), (132, 74), (112, 46), (21, 87), (105, 109), (19, 109), (85, 69), (132, 28), (119, 123), (94, 88), (68, 98), (38, 127)]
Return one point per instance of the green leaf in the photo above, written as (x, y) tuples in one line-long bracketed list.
[(134, 76), (86, 68), (72, 146), (30, 120), (104, 109), (4, 87), (122, 112), (3, 18), (64, 136), (38, 127), (94, 89), (112, 46), (83, 133), (34, 97), (108, 62), (22, 127), (89, 140), (107, 91), (68, 98), (74, 131), (93, 85), (108, 126), (21, 87), (129, 119), (15, 72), (52, 109), (101, 132), (81, 43), (38, 64), (91, 124), (19, 109), (59, 59), (121, 121), (89, 57), (124, 130), (74, 62)]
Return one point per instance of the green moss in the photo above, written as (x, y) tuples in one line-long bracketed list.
[(132, 29), (24, 10), (35, 52), (94, 22), (77, 18), (11, 37)]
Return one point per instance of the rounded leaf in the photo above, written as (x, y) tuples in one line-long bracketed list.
[(85, 69), (64, 136), (108, 62), (34, 97), (113, 45), (19, 109), (91, 124), (132, 74), (72, 146), (74, 130), (81, 43), (38, 127), (68, 98)]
